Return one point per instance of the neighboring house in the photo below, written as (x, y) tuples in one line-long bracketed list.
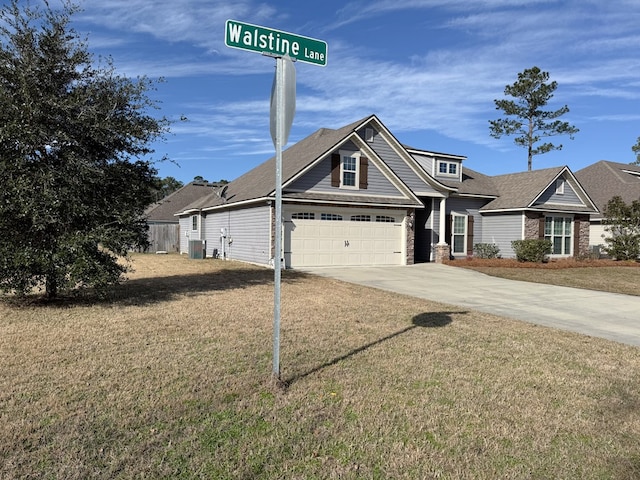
[(356, 196), (164, 228), (604, 180)]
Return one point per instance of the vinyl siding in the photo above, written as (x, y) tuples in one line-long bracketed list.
[(468, 206), (248, 234), (185, 233), (398, 165), (597, 234), (502, 230), (569, 197), (425, 162), (318, 179)]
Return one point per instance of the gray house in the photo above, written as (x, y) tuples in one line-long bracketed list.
[(604, 180), (164, 229), (357, 196)]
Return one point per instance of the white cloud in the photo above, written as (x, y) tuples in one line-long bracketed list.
[(589, 47)]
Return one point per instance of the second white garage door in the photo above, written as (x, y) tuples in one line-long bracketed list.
[(357, 239)]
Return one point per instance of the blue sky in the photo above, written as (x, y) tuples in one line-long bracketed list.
[(429, 69)]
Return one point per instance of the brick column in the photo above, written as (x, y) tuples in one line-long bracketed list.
[(410, 230)]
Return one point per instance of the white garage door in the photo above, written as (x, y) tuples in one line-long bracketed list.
[(358, 239)]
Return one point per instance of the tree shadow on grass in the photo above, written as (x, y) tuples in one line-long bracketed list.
[(423, 320), (153, 290)]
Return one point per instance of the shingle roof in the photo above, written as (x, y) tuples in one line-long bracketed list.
[(164, 210), (604, 180), (475, 183), (519, 190), (260, 181)]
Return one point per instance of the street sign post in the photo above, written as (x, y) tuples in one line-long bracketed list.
[(283, 105), (285, 47), (276, 43)]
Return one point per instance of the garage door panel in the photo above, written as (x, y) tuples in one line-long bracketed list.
[(328, 242)]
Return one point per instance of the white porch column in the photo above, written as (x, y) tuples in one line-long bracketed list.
[(443, 222), (443, 251)]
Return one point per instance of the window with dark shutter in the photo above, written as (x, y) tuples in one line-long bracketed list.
[(335, 170), (541, 228), (470, 235), (364, 173)]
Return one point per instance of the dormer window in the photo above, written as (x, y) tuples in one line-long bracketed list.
[(449, 169)]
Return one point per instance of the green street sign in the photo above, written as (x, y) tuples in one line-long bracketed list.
[(246, 36)]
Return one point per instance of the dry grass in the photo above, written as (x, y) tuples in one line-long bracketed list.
[(171, 380), (603, 275)]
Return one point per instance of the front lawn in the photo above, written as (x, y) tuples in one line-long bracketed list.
[(603, 275), (171, 379)]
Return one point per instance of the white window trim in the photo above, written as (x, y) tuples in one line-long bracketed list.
[(453, 234), (195, 219), (571, 237), (351, 154), (447, 174), (560, 186), (369, 134)]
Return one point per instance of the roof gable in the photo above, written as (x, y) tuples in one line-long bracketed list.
[(300, 158), (413, 167), (525, 190), (603, 180), (165, 209)]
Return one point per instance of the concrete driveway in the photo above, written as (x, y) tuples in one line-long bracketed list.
[(606, 315)]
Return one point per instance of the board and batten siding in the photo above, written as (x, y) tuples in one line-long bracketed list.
[(502, 230), (397, 164), (248, 234), (569, 197), (318, 179)]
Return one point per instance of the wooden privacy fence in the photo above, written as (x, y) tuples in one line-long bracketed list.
[(164, 237)]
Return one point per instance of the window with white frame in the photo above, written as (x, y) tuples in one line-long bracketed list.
[(560, 186), (303, 216), (459, 233), (360, 218), (447, 168), (559, 231), (330, 216), (349, 171), (194, 223), (385, 219)]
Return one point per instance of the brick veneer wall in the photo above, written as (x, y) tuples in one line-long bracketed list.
[(532, 225), (410, 230), (532, 230), (584, 235)]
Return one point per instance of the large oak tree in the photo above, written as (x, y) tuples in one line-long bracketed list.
[(74, 146), (525, 117)]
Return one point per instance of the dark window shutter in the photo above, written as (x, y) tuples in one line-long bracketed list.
[(541, 228), (576, 238), (447, 230), (470, 235), (335, 170), (364, 173)]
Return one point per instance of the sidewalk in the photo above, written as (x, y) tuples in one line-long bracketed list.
[(599, 314)]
